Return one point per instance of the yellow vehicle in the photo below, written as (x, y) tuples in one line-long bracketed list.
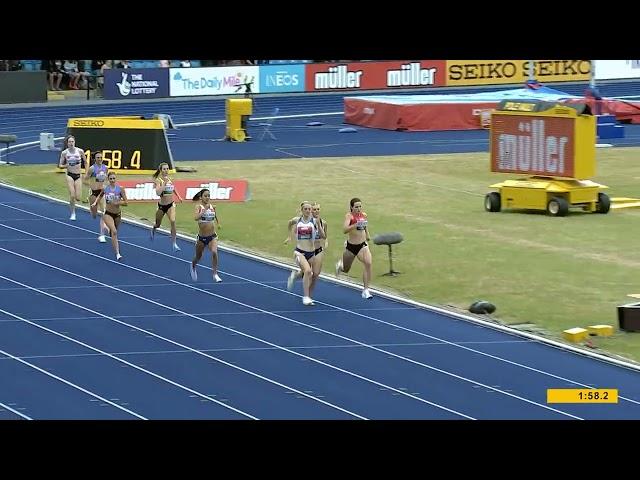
[(556, 196), (555, 146)]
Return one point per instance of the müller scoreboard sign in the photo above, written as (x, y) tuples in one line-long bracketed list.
[(543, 139)]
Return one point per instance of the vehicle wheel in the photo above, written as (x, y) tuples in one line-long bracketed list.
[(604, 203), (558, 207), (492, 202)]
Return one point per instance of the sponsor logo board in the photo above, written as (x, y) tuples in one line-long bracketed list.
[(282, 78), (129, 83), (490, 72), (221, 190), (184, 82), (374, 75), (533, 145)]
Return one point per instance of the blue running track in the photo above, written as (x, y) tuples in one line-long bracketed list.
[(83, 336)]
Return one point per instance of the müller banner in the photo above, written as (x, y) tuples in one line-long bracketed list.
[(221, 190), (374, 75)]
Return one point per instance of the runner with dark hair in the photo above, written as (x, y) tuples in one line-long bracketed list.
[(208, 223)]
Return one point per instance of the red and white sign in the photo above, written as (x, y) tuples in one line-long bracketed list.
[(533, 145), (375, 75), (221, 190)]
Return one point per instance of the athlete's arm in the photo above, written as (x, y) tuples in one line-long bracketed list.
[(63, 160), (175, 192), (326, 234), (198, 211), (123, 196), (100, 195), (159, 186), (87, 176), (346, 228), (83, 159), (217, 219), (320, 228), (290, 225)]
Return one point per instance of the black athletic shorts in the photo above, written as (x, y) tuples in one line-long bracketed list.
[(207, 239), (355, 249), (165, 208)]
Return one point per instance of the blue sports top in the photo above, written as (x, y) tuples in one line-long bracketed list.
[(111, 194), (99, 172)]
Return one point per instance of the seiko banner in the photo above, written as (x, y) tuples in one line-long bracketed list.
[(130, 83), (186, 82), (494, 72), (611, 69)]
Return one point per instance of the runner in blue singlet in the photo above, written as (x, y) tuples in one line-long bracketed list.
[(115, 197), (95, 177)]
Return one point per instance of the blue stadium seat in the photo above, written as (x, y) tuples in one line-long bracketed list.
[(196, 63)]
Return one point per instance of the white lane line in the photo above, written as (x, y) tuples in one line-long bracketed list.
[(60, 379), (216, 324), (240, 349), (336, 281), (395, 355), (20, 414), (160, 377), (215, 314), (257, 375), (430, 367)]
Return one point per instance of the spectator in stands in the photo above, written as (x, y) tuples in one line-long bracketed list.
[(54, 73), (185, 63), (70, 68), (107, 65), (96, 71), (84, 74), (123, 64), (164, 63)]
